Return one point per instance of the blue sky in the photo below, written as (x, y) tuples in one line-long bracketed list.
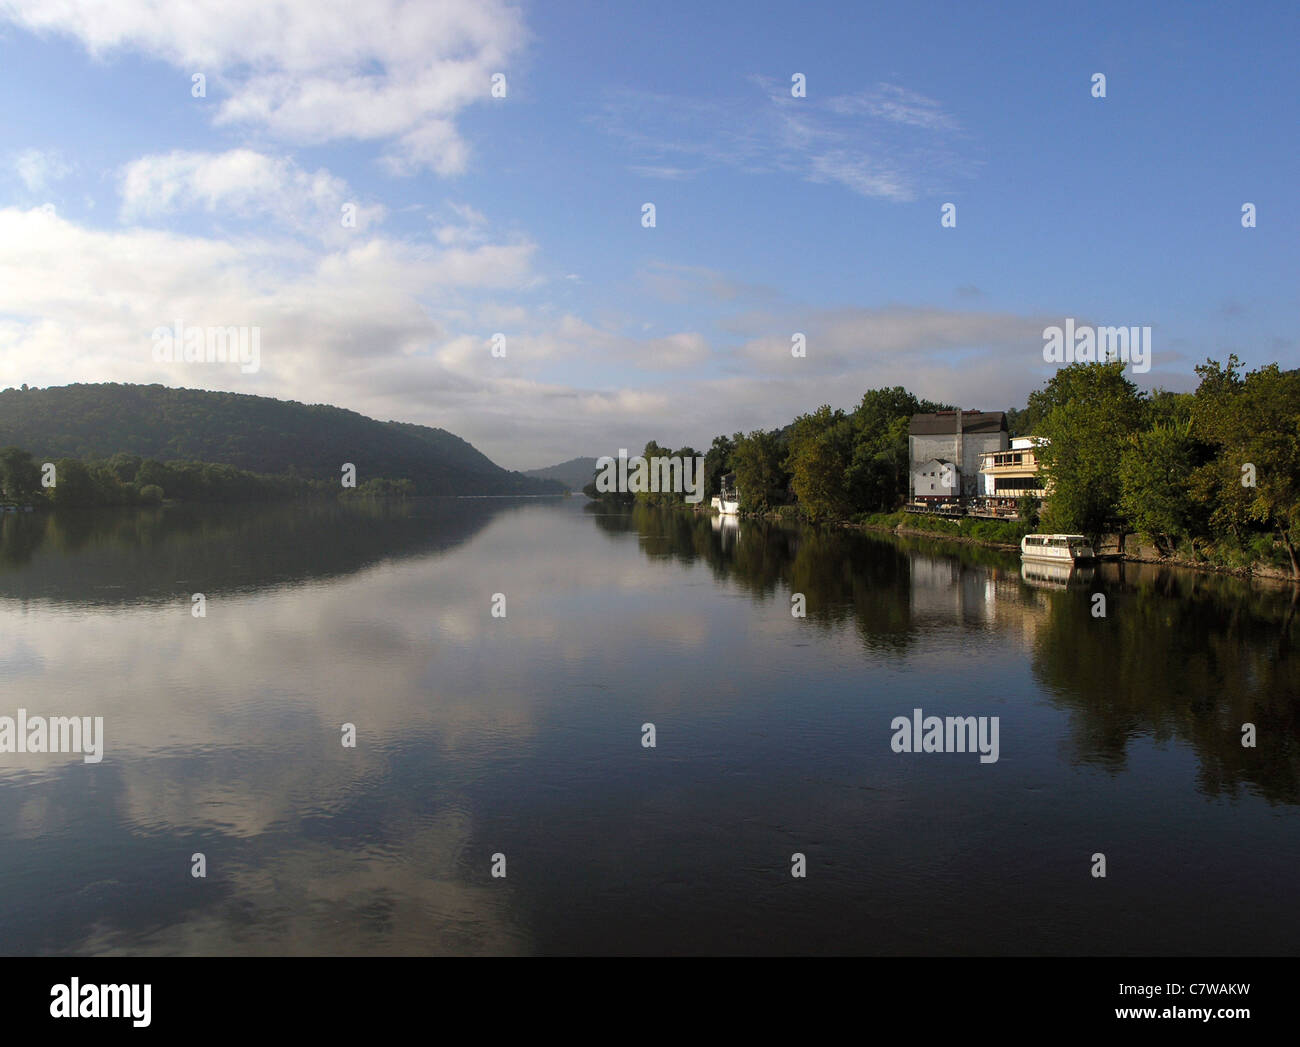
[(126, 203)]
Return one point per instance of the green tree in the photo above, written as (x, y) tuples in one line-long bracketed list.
[(652, 451), (717, 463), (74, 485), (609, 499), (1155, 473), (20, 476), (878, 470), (1029, 508), (879, 463), (151, 472), (1253, 424), (1089, 413), (1017, 421), (687, 456), (880, 407), (1167, 408), (125, 466), (821, 452), (759, 465)]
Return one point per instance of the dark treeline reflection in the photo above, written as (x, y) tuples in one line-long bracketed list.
[(126, 556), (844, 577), (1178, 656)]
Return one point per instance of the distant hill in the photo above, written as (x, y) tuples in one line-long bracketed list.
[(576, 473), (257, 433)]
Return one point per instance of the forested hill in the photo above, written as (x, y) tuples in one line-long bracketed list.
[(256, 433), (575, 474)]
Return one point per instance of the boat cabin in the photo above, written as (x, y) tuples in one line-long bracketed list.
[(1056, 547)]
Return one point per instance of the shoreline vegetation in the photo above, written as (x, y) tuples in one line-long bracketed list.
[(108, 484), (1108, 551), (936, 528), (113, 444), (1208, 479), (127, 480)]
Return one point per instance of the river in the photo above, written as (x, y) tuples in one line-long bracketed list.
[(500, 662)]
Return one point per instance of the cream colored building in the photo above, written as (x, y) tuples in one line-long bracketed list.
[(1006, 476)]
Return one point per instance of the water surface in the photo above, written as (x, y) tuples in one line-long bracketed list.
[(479, 735)]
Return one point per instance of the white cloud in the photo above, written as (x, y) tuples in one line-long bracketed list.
[(241, 182), (82, 303), (679, 284), (39, 168), (671, 174), (843, 339), (435, 145), (466, 226), (887, 142), (312, 71), (897, 105), (575, 342)]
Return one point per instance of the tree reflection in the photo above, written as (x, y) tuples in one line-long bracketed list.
[(122, 556), (1179, 656)]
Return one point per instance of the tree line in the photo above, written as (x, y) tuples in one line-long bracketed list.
[(1213, 473), (256, 435), (126, 479), (830, 464)]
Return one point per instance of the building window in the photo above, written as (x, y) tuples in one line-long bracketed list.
[(1017, 483)]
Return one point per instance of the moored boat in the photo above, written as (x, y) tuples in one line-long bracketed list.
[(727, 501), (1056, 548)]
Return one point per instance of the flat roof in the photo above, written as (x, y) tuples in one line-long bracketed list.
[(944, 423)]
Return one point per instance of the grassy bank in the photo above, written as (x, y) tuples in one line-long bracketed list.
[(989, 532)]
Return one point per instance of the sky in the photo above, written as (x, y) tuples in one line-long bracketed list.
[(380, 189)]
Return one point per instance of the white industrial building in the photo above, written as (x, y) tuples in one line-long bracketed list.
[(956, 439)]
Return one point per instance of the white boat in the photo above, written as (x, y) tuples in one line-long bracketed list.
[(727, 501), (1056, 548)]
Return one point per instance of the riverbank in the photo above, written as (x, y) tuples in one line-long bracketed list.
[(916, 532), (1005, 536), (1134, 550)]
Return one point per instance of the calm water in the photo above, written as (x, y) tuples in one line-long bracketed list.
[(522, 735)]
